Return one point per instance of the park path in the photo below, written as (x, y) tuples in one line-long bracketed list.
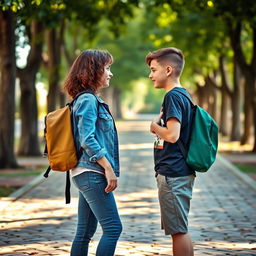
[(222, 217)]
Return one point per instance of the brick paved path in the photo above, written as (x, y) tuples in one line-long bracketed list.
[(222, 218)]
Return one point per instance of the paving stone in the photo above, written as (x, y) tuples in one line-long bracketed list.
[(222, 218)]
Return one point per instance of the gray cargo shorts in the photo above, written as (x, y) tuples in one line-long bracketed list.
[(174, 195)]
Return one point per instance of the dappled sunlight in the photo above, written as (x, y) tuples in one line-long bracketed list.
[(133, 126), (233, 146), (219, 221), (196, 190), (142, 202), (227, 245), (136, 210), (147, 193), (136, 146), (126, 248), (36, 212), (38, 248)]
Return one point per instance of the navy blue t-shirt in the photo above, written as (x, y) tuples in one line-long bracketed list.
[(169, 160)]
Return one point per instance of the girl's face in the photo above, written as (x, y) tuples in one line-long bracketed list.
[(107, 75)]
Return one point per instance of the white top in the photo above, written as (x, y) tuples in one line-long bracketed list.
[(79, 169)]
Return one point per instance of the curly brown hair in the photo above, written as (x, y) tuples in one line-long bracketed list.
[(86, 71)]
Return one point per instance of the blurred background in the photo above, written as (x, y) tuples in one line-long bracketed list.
[(39, 40)]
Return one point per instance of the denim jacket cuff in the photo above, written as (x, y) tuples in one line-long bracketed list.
[(98, 155)]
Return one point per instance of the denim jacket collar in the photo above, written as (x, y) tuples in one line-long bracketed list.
[(92, 92)]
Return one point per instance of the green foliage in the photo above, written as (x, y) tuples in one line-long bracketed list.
[(188, 30), (142, 97), (50, 12), (196, 26), (129, 51), (118, 13), (236, 11), (153, 99), (199, 28), (13, 5)]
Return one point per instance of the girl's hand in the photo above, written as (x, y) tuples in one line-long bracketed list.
[(109, 174), (111, 179)]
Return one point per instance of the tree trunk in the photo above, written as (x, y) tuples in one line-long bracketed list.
[(7, 90), (53, 70), (211, 99), (117, 101), (107, 96), (213, 103), (235, 104), (247, 116), (54, 42), (29, 142), (224, 120), (249, 73), (62, 99), (253, 88), (236, 122), (226, 94), (201, 97), (254, 120)]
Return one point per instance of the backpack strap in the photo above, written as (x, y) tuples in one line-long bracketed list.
[(79, 94), (68, 184), (79, 153), (46, 174), (183, 150), (180, 143), (67, 188), (188, 97)]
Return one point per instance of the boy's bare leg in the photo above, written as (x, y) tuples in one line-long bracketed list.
[(182, 245)]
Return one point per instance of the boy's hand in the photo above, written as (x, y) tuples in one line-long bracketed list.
[(158, 118), (156, 121)]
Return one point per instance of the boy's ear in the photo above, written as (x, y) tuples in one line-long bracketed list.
[(169, 70)]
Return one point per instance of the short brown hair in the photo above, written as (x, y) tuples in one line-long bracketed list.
[(86, 71), (170, 55)]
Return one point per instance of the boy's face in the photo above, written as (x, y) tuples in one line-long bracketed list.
[(158, 74)]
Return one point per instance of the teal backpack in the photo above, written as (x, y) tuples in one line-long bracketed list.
[(201, 151)]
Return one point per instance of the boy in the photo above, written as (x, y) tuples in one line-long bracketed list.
[(175, 179)]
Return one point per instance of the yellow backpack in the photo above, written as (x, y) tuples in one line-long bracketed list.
[(60, 146), (59, 142)]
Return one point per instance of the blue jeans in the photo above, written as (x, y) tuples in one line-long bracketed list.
[(95, 205)]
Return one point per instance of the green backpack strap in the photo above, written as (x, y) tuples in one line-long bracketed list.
[(183, 148)]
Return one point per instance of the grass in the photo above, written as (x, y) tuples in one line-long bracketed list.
[(246, 168), (228, 147), (21, 174), (5, 191)]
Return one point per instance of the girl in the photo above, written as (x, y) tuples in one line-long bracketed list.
[(97, 170)]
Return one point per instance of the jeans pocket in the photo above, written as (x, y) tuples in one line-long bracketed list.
[(99, 178), (82, 181)]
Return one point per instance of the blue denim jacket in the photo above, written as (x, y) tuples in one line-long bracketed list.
[(95, 132)]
